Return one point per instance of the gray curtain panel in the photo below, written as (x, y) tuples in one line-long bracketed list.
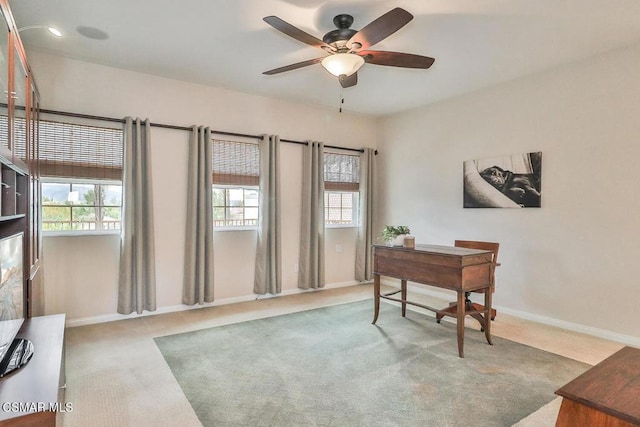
[(311, 264), (268, 273), (364, 252), (198, 254), (137, 281)]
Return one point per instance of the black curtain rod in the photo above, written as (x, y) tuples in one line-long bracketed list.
[(165, 126)]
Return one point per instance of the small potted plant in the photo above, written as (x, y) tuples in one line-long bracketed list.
[(393, 235)]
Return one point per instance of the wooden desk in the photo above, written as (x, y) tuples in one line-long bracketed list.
[(458, 269), (606, 395)]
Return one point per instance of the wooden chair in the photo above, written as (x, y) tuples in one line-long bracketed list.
[(469, 305)]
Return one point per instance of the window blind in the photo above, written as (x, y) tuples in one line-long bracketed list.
[(341, 172), (80, 151), (20, 136), (235, 163)]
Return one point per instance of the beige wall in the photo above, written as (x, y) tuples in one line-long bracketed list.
[(81, 272), (569, 263), (572, 262)]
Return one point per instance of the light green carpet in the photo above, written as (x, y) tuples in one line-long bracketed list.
[(332, 367)]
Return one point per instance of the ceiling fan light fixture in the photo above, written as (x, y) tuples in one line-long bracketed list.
[(342, 63)]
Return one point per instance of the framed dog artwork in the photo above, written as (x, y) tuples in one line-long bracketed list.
[(513, 181)]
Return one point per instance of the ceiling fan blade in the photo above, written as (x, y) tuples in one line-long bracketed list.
[(348, 81), (381, 28), (296, 33), (396, 59), (293, 66)]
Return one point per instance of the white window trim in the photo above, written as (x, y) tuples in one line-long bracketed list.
[(340, 226), (79, 233), (226, 228), (58, 180)]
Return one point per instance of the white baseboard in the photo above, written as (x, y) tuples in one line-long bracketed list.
[(545, 320), (445, 296), (83, 321), (575, 327)]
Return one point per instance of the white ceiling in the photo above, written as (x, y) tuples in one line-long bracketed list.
[(225, 43)]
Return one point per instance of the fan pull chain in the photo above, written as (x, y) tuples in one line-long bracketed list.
[(341, 98)]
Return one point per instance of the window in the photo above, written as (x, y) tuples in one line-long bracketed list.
[(70, 205), (236, 175), (341, 184), (81, 168), (340, 208), (235, 206)]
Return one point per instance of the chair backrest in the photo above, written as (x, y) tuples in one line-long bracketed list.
[(486, 246)]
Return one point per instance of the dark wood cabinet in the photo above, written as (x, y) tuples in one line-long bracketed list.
[(20, 209), (41, 380)]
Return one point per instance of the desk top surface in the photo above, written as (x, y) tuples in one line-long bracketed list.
[(437, 249), (612, 386)]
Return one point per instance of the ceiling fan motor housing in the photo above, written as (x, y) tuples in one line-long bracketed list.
[(343, 33)]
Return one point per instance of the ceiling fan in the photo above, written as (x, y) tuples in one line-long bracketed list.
[(348, 49)]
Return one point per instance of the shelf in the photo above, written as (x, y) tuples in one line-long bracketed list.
[(42, 379), (20, 208), (7, 159), (11, 217)]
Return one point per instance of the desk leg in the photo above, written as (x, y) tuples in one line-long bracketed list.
[(460, 314), (403, 293), (487, 316), (376, 297)]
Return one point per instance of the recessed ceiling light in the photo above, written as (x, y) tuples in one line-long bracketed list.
[(92, 32), (56, 32)]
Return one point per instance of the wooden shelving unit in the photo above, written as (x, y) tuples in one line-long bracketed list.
[(19, 175), (42, 378), (14, 193)]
